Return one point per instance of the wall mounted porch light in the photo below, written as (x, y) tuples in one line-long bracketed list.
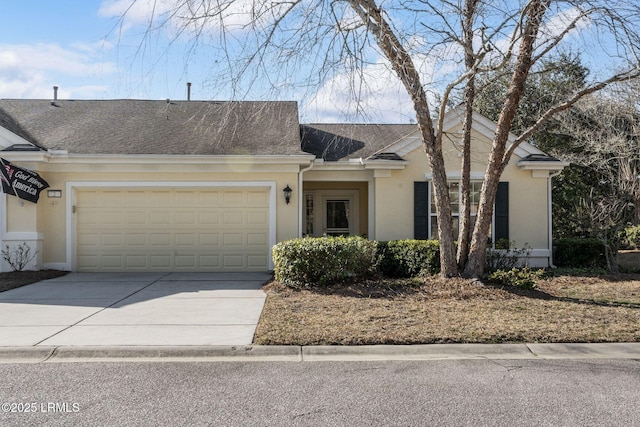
[(287, 193)]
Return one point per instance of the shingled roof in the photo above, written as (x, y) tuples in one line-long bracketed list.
[(156, 127), (333, 142)]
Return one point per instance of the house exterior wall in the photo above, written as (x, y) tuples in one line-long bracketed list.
[(47, 223), (528, 210), (528, 196), (394, 203), (20, 227)]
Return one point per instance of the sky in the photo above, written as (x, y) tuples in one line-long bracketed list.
[(83, 48), (69, 43)]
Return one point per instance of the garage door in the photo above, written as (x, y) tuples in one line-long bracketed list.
[(219, 229)]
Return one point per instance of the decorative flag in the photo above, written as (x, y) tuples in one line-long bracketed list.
[(21, 183)]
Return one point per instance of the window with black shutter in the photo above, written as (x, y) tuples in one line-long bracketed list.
[(425, 218)]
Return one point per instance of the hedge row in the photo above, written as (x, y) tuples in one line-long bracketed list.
[(579, 253), (327, 260), (409, 258)]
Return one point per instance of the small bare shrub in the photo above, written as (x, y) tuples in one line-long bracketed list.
[(19, 256)]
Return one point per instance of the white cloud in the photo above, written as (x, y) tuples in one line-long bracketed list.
[(561, 21), (50, 57), (206, 16), (377, 95), (135, 12), (380, 98), (30, 71)]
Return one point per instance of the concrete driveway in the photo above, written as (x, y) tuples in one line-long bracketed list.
[(134, 309)]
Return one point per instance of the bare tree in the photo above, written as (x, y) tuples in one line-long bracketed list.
[(319, 40), (606, 131)]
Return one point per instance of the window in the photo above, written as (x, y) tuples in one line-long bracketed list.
[(337, 217), (455, 196), (309, 214)]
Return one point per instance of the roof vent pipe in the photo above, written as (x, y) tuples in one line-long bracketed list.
[(55, 95), (188, 91)]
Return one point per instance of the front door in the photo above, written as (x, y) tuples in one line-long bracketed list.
[(331, 213)]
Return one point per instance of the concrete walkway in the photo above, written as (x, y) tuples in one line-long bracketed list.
[(134, 309)]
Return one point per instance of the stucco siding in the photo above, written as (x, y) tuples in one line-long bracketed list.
[(54, 224), (528, 197), (527, 209)]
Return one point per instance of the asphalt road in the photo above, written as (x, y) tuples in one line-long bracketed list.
[(390, 393)]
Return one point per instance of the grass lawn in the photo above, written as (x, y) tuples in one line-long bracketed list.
[(434, 310)]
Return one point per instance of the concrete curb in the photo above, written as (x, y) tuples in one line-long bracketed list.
[(185, 353), (417, 352), (25, 354), (319, 353)]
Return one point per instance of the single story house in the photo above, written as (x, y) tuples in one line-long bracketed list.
[(198, 186)]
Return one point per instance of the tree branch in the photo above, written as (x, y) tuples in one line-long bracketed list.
[(544, 118)]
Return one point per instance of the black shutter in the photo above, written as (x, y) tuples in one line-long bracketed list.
[(421, 210), (502, 212)]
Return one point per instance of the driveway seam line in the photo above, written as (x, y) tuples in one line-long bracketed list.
[(100, 311)]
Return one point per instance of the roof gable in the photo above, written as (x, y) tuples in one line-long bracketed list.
[(455, 117), (155, 127)]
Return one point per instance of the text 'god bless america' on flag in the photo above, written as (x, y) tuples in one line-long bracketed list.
[(20, 182)]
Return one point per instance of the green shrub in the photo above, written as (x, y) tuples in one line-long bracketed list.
[(323, 260), (632, 236), (409, 258), (581, 253), (524, 278)]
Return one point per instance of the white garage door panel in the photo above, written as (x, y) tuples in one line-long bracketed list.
[(172, 230)]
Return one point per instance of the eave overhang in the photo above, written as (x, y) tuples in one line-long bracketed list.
[(359, 164), (542, 168)]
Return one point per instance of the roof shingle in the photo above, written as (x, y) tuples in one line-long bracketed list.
[(156, 127)]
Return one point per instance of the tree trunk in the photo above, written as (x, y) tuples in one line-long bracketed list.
[(497, 161), (478, 247), (405, 69), (448, 265), (464, 232)]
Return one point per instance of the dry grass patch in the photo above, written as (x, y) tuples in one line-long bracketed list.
[(433, 310)]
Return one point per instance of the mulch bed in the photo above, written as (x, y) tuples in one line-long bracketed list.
[(15, 279)]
